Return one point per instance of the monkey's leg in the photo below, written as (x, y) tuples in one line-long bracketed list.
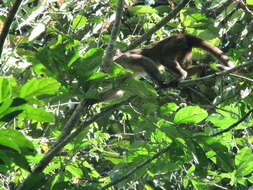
[(178, 70)]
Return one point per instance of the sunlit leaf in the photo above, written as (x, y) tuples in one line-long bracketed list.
[(159, 136), (36, 87), (79, 22), (5, 88), (14, 139), (224, 118), (93, 172), (77, 172), (244, 161), (190, 114), (168, 109), (249, 2), (37, 114), (141, 9)]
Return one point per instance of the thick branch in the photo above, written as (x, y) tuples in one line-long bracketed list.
[(159, 25), (7, 24), (115, 30), (130, 172), (62, 142)]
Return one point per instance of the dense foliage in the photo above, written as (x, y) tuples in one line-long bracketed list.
[(56, 133)]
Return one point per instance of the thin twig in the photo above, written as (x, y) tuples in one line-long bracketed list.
[(233, 125), (244, 6), (130, 172), (8, 23), (218, 74), (241, 77), (218, 8), (159, 25)]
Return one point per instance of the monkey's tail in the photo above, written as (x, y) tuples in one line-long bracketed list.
[(194, 41)]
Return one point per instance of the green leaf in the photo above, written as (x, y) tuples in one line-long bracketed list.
[(244, 162), (116, 70), (9, 109), (14, 140), (190, 114), (245, 169), (37, 114), (5, 105), (141, 9), (18, 158), (37, 87), (79, 22), (35, 182), (93, 173), (168, 108), (9, 142), (113, 160), (222, 118), (85, 67), (77, 172), (191, 17), (139, 88), (218, 153), (249, 2), (160, 137), (5, 89), (244, 155), (250, 179)]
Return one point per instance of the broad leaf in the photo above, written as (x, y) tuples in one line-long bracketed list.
[(77, 172), (244, 162), (37, 114), (14, 140), (37, 87), (190, 114)]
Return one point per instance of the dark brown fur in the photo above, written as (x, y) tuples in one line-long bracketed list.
[(174, 52)]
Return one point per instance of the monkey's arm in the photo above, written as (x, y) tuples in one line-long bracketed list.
[(141, 65)]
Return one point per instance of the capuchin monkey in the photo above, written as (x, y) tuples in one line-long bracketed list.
[(174, 53)]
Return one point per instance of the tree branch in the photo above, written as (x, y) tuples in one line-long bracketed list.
[(218, 74), (218, 8), (62, 142), (130, 172), (74, 118), (110, 51), (8, 23), (233, 125), (244, 6), (241, 77), (159, 25)]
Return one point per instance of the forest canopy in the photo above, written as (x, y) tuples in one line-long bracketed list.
[(73, 118)]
